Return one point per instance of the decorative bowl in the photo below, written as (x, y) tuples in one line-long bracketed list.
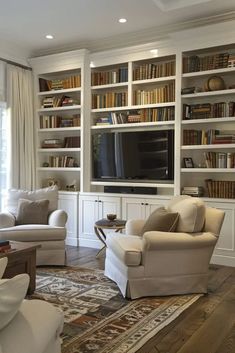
[(111, 216)]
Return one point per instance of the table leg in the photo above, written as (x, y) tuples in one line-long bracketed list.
[(101, 235)]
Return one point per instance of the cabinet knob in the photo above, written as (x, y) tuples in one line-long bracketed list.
[(146, 204), (142, 203), (96, 200), (100, 201)]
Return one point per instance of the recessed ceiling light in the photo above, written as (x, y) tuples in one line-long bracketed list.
[(122, 20), (92, 64), (49, 36)]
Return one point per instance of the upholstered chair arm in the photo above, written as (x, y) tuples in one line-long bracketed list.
[(58, 218), (177, 241), (3, 265), (134, 226), (7, 220)]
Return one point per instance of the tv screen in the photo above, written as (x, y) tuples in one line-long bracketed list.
[(142, 156)]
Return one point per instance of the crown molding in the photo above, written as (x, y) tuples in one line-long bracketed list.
[(157, 33)]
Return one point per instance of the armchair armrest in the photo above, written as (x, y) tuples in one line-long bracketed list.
[(58, 218), (174, 241), (134, 226), (7, 220)]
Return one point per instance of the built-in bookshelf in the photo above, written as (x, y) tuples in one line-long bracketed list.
[(208, 120)]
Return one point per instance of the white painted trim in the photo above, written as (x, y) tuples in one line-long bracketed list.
[(223, 260), (90, 243)]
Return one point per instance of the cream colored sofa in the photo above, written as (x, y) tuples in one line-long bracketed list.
[(50, 236), (165, 263), (34, 326)]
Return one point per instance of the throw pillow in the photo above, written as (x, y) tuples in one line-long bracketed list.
[(12, 293), (191, 213), (3, 265), (32, 212), (161, 220), (50, 193)]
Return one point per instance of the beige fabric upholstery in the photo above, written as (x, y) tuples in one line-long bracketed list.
[(50, 236), (171, 263), (191, 213), (134, 226)]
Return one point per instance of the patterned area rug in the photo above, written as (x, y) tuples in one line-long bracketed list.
[(97, 318)]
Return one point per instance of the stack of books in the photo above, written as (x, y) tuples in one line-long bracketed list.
[(5, 246), (196, 191)]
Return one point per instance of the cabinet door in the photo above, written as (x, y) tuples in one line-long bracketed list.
[(133, 208), (109, 205), (88, 215), (69, 203), (151, 205), (224, 253)]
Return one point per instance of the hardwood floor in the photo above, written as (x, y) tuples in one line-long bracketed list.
[(208, 326)]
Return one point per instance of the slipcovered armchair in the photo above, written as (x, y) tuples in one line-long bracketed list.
[(165, 263), (26, 325), (43, 225)]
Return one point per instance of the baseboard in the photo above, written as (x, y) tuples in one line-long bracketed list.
[(90, 243), (223, 260), (71, 241)]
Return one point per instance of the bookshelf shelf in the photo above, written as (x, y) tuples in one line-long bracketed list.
[(154, 80), (58, 109), (208, 121), (134, 107), (110, 85), (208, 170), (59, 91), (227, 70), (60, 169), (134, 125), (133, 184), (46, 150), (60, 129), (209, 94), (212, 146)]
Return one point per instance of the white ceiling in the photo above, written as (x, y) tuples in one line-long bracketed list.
[(93, 24)]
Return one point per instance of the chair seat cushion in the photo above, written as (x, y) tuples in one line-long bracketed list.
[(127, 248), (33, 232)]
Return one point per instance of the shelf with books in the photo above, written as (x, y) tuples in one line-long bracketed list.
[(153, 68)]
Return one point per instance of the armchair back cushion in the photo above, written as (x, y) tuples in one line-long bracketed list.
[(161, 220), (50, 193), (12, 293), (32, 212), (191, 211)]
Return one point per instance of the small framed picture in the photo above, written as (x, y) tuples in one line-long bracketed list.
[(188, 162)]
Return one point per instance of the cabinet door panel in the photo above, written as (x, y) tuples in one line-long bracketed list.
[(69, 203), (109, 205), (133, 208), (152, 205), (88, 208)]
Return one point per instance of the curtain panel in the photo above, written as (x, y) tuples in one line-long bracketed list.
[(20, 109)]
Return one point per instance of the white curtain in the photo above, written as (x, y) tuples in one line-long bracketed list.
[(20, 109), (4, 142)]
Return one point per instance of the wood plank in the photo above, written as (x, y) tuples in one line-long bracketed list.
[(228, 344)]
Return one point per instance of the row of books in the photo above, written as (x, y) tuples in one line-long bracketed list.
[(109, 99), (220, 189), (196, 63), (138, 116), (219, 159), (62, 162), (57, 84), (149, 71), (162, 94), (54, 121), (208, 110), (203, 137), (5, 246), (67, 142), (108, 77), (53, 102)]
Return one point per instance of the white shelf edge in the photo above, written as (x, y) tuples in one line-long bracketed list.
[(46, 150), (110, 85), (204, 147), (56, 109), (154, 80), (62, 169), (59, 91), (209, 120), (117, 183), (62, 129), (208, 170), (130, 125), (208, 94), (134, 107), (209, 72)]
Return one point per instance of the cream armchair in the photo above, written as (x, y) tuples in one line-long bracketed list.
[(165, 263), (26, 326), (50, 236)]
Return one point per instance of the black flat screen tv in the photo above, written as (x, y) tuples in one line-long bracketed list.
[(139, 155)]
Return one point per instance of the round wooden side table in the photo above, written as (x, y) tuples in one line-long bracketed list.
[(117, 225)]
